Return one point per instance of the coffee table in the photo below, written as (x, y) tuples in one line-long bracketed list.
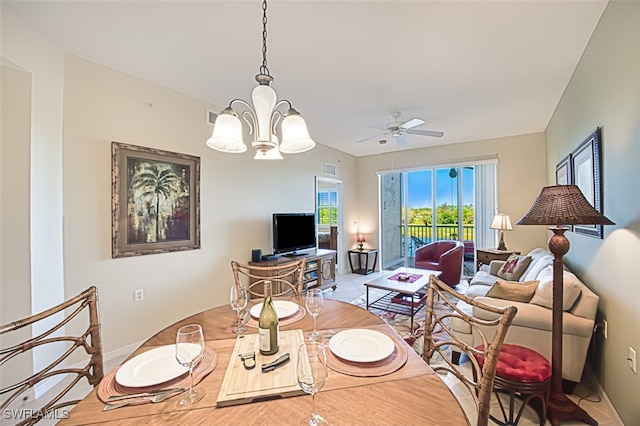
[(404, 297)]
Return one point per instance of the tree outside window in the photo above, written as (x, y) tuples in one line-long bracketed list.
[(327, 207)]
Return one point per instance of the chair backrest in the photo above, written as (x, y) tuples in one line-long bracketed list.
[(286, 278), (58, 339), (439, 338)]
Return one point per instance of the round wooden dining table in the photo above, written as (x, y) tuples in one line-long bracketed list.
[(411, 395)]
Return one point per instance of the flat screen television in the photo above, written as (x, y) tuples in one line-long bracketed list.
[(293, 232)]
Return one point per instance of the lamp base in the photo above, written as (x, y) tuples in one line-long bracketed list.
[(360, 246), (560, 408), (501, 245)]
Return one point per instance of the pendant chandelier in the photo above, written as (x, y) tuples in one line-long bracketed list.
[(262, 119)]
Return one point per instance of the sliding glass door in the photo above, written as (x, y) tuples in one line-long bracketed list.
[(422, 206)]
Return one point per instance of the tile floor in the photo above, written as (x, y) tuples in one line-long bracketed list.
[(351, 286)]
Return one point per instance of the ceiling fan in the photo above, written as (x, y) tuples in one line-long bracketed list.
[(398, 128)]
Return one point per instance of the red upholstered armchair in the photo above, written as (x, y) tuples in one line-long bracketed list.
[(445, 256)]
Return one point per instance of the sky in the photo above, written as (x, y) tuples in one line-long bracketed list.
[(419, 183)]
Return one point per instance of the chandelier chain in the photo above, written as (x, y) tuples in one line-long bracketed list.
[(264, 69)]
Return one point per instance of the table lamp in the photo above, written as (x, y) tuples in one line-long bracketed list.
[(361, 241), (561, 205), (502, 223)]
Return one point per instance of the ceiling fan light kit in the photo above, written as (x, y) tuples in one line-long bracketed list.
[(262, 119), (398, 129)]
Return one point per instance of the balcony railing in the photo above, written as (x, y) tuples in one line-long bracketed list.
[(442, 231)]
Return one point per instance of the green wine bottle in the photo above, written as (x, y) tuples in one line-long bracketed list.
[(268, 325)]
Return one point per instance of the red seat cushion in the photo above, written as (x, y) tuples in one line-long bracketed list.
[(520, 364)]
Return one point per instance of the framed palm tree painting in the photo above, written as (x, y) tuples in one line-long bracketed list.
[(155, 200)]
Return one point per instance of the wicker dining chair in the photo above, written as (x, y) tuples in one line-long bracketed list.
[(286, 278), (438, 340), (58, 339)]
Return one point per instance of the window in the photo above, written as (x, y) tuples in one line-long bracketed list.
[(327, 207), (419, 206)]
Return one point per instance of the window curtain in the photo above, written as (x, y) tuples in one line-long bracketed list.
[(486, 201)]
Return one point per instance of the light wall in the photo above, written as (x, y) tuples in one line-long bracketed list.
[(605, 91), (14, 201), (238, 197), (521, 174), (25, 49)]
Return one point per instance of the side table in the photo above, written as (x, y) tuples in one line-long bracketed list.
[(485, 256), (363, 257)]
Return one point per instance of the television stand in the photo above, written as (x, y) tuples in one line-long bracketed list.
[(320, 269)]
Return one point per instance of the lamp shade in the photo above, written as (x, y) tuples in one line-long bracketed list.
[(502, 222), (295, 136), (562, 205), (227, 134)]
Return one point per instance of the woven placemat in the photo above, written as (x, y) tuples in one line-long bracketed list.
[(110, 387), (253, 322), (385, 366)]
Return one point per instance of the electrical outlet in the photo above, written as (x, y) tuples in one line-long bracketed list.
[(632, 359), (138, 295), (605, 329)]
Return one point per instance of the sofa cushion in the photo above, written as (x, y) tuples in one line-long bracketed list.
[(483, 278), (544, 292), (536, 266), (514, 267), (536, 316), (477, 291), (513, 290)]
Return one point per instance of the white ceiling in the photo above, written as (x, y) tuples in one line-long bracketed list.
[(473, 69)]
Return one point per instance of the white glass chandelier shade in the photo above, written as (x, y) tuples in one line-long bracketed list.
[(295, 136), (269, 154), (227, 134), (264, 100)]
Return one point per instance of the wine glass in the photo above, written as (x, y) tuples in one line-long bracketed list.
[(314, 302), (238, 297), (312, 374), (189, 351)]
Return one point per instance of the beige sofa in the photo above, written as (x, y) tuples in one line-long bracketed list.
[(531, 326)]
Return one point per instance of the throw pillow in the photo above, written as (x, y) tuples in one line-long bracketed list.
[(513, 290), (514, 267), (544, 292)]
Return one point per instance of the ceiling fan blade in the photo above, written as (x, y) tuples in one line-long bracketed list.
[(400, 140), (371, 137), (412, 123), (432, 133)]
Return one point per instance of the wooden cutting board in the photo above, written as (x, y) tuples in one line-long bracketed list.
[(242, 386)]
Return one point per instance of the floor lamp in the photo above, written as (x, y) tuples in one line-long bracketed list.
[(561, 205)]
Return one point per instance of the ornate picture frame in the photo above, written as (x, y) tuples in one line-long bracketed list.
[(586, 169), (155, 201)]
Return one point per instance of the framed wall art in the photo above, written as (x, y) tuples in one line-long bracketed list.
[(155, 201), (586, 167), (563, 171)]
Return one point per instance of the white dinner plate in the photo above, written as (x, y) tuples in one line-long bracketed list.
[(151, 368), (283, 309), (361, 345)]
